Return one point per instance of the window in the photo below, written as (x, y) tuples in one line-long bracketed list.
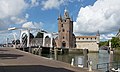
[(65, 20), (62, 25), (87, 38), (63, 44), (79, 38), (91, 38), (63, 30), (63, 37), (83, 38), (95, 38)]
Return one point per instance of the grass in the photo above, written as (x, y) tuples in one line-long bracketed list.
[(117, 50)]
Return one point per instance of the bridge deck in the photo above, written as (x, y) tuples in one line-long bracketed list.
[(13, 60)]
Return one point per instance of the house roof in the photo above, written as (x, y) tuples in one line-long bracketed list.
[(85, 37)]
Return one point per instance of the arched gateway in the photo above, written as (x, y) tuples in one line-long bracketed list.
[(63, 44)]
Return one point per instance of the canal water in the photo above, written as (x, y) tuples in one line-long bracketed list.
[(96, 58)]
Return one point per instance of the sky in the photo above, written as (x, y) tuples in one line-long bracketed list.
[(89, 16)]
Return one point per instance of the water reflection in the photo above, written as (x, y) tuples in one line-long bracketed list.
[(96, 58), (103, 57), (116, 57), (79, 61)]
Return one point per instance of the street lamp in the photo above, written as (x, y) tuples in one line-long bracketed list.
[(13, 28), (14, 34)]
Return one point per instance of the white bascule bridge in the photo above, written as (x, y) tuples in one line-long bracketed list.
[(25, 37)]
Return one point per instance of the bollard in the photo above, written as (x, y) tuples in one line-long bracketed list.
[(55, 53), (36, 50), (90, 65), (85, 53), (23, 48), (40, 50), (29, 49), (32, 50), (72, 62)]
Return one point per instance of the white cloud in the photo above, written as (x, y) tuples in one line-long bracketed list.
[(32, 25), (38, 25), (104, 16), (11, 7), (27, 16), (10, 10), (107, 36), (3, 24), (50, 4), (34, 3), (28, 25), (80, 0), (17, 20)]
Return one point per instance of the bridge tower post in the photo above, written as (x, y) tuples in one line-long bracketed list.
[(28, 39), (43, 39)]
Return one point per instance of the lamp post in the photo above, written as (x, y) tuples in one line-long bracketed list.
[(14, 34), (7, 42)]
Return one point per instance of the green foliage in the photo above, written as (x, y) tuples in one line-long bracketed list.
[(17, 42), (39, 35), (105, 43), (115, 41), (118, 48), (31, 36)]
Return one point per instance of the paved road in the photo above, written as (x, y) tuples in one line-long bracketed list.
[(13, 60)]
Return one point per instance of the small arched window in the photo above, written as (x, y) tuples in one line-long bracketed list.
[(63, 30), (62, 25), (65, 20)]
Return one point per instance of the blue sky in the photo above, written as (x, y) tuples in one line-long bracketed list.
[(49, 16), (89, 15)]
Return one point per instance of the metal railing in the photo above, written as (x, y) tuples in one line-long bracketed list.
[(108, 66)]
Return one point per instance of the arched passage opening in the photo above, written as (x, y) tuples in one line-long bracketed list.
[(47, 41), (63, 44), (24, 40)]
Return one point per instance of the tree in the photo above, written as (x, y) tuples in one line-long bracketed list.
[(25, 37), (31, 36), (17, 42), (105, 43), (115, 41), (39, 35), (13, 42)]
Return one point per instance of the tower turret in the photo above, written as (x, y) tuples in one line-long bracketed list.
[(60, 17), (66, 14), (98, 37)]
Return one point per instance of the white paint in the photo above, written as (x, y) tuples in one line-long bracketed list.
[(28, 34), (72, 62)]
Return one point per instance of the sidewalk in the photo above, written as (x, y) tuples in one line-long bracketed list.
[(13, 60)]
